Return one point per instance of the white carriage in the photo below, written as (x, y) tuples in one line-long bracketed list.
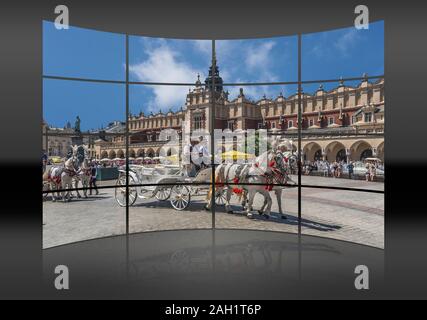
[(165, 183)]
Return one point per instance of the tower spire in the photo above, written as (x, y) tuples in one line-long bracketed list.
[(214, 74), (198, 83)]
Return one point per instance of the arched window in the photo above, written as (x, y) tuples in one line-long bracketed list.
[(366, 154), (341, 156)]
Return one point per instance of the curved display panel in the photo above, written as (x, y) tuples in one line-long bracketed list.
[(162, 123), (256, 159), (347, 53), (162, 60), (83, 53), (342, 134), (258, 60)]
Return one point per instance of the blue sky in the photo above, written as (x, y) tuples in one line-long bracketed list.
[(85, 53), (96, 104), (346, 53)]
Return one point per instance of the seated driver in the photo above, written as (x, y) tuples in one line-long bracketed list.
[(187, 162), (200, 154)]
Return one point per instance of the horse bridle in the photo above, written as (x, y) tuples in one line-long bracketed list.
[(281, 170)]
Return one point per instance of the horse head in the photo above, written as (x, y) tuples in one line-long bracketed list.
[(286, 144), (279, 159), (293, 159), (71, 163), (74, 148)]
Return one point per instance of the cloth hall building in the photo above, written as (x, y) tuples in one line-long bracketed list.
[(345, 123)]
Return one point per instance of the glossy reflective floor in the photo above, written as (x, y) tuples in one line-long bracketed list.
[(206, 264)]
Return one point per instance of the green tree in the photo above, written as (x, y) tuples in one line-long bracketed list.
[(255, 149)]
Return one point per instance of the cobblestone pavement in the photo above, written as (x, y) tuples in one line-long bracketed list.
[(346, 215)]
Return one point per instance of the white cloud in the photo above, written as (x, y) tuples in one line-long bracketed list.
[(258, 57), (166, 97), (204, 46), (163, 65), (318, 51), (347, 41), (254, 60), (326, 47), (241, 57), (226, 48)]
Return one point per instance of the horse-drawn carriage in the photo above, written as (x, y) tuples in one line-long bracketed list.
[(59, 179), (164, 183), (171, 183), (268, 172)]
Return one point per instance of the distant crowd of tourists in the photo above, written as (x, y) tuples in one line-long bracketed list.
[(336, 169)]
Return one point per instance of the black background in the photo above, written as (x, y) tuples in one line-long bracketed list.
[(21, 101)]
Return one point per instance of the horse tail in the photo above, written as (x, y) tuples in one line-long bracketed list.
[(46, 175), (219, 174)]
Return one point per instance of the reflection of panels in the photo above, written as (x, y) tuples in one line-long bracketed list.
[(179, 264), (318, 265), (101, 261), (257, 257), (251, 257)]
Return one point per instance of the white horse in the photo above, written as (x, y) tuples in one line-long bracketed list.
[(226, 173), (52, 178), (269, 172), (61, 178), (83, 175), (83, 172), (275, 177), (232, 173), (67, 177)]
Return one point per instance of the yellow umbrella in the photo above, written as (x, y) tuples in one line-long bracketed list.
[(56, 159), (173, 158), (233, 154)]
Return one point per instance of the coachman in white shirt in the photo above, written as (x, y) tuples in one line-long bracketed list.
[(186, 158), (200, 154)]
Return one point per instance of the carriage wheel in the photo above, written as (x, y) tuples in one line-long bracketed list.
[(163, 193), (120, 191), (180, 197), (220, 196)]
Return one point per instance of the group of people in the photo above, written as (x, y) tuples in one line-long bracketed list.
[(334, 169), (122, 162), (337, 168), (371, 171)]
